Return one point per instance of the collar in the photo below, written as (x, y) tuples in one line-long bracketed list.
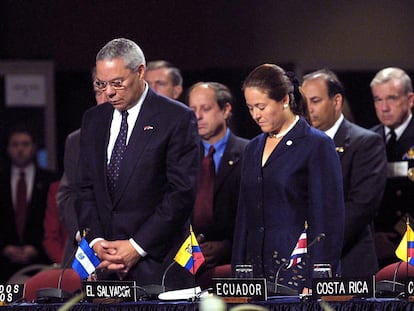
[(219, 146), (398, 130), (332, 131)]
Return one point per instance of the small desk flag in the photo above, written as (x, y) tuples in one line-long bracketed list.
[(85, 260), (405, 250), (300, 249), (189, 255)]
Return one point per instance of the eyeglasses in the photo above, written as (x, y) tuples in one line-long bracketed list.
[(116, 84), (390, 99)]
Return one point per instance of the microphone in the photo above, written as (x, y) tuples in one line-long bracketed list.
[(52, 294), (153, 290), (319, 237), (280, 289)]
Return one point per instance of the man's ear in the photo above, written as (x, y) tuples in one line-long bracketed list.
[(178, 89)]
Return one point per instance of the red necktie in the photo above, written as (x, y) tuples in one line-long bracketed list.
[(21, 205), (203, 208)]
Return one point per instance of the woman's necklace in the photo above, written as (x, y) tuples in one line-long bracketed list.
[(279, 135)]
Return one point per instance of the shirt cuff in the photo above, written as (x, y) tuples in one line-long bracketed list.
[(138, 248), (93, 242)]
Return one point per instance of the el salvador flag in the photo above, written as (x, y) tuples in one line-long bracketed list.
[(85, 260)]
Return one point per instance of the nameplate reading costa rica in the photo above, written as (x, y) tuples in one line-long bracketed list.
[(231, 287), (124, 290), (361, 287), (11, 292)]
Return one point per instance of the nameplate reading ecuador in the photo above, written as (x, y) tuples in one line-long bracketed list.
[(123, 290), (231, 287), (409, 287), (361, 287)]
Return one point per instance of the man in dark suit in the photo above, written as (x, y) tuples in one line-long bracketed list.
[(21, 232), (393, 98), (211, 103), (138, 171), (362, 155)]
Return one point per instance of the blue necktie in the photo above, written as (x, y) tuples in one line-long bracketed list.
[(117, 155)]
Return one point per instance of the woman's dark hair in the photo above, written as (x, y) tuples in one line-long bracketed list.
[(277, 83)]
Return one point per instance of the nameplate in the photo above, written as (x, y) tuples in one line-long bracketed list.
[(361, 287), (409, 287), (118, 290), (254, 288), (11, 292)]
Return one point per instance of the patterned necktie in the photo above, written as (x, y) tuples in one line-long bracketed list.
[(117, 155), (21, 204), (203, 208), (391, 146)]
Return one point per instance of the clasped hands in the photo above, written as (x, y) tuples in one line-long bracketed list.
[(117, 256)]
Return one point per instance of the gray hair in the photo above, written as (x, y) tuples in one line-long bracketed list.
[(393, 73), (125, 49), (173, 72)]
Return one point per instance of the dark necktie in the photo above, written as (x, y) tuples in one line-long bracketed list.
[(117, 155), (21, 205), (391, 146), (203, 208)]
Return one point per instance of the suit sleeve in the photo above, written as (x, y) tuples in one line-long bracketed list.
[(85, 204), (326, 205), (67, 194), (366, 186), (182, 163)]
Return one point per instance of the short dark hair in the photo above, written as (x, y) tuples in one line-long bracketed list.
[(21, 128), (331, 79)]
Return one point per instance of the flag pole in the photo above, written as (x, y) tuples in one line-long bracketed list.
[(408, 241), (192, 255)]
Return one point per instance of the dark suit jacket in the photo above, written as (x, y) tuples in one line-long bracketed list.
[(67, 194), (398, 201), (301, 181), (364, 169), (226, 194), (156, 187), (33, 234)]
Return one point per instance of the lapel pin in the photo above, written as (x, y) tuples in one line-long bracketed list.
[(148, 127)]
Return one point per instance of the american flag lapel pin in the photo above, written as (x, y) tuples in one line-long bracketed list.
[(148, 127)]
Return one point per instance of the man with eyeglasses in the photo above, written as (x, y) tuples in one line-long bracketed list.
[(164, 78), (393, 99), (138, 169)]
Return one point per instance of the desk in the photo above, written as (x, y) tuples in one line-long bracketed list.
[(280, 304)]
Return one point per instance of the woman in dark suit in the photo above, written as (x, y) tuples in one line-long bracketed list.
[(291, 174)]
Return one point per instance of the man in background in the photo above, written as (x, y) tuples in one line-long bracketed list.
[(362, 155), (164, 78), (213, 223), (393, 99), (23, 196)]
